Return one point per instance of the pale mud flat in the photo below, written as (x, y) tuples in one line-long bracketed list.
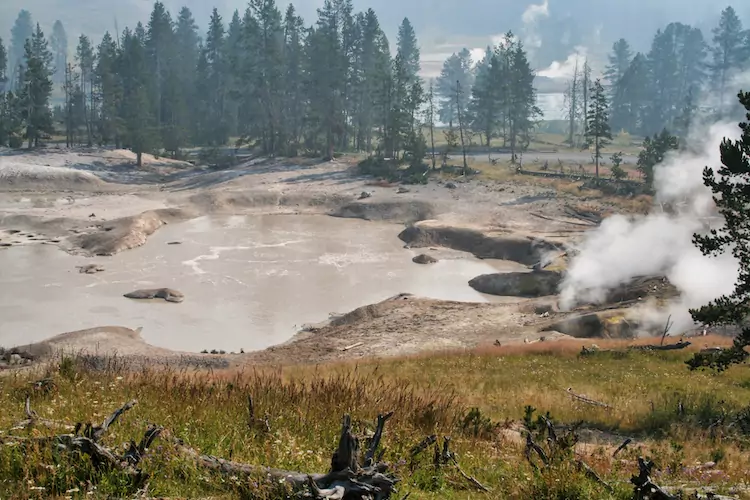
[(250, 281), (259, 256)]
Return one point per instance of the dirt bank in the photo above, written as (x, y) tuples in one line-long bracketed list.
[(123, 234), (530, 285), (502, 245)]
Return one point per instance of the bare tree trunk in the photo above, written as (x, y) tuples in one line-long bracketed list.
[(460, 123)]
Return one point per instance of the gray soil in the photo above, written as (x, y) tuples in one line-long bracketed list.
[(96, 203)]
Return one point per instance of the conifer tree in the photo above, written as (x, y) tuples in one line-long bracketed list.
[(85, 59), (457, 68), (59, 47), (729, 184), (108, 91), (483, 106), (36, 89), (598, 132), (136, 107), (522, 111), (728, 50), (408, 50), (22, 30), (654, 151), (619, 60)]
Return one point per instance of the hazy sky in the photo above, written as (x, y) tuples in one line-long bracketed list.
[(551, 28)]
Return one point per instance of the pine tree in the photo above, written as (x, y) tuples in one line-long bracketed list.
[(619, 61), (631, 97), (184, 71), (522, 110), (59, 46), (160, 50), (598, 132), (483, 107), (22, 30), (136, 107), (213, 91), (108, 91), (457, 68), (3, 78), (85, 59), (3, 66), (732, 197), (37, 89), (293, 102), (654, 151), (728, 51), (408, 50)]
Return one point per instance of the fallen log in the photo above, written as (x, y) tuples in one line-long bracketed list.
[(87, 444), (669, 347), (346, 478), (584, 399)]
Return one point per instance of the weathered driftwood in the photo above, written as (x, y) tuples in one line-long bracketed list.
[(584, 399), (87, 444), (591, 474), (645, 489), (346, 479), (32, 419)]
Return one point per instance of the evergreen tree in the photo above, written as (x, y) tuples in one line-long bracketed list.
[(237, 53), (3, 66), (85, 59), (598, 132), (654, 151), (732, 197), (59, 46), (408, 50), (293, 100), (431, 121), (631, 97), (728, 51), (136, 107), (183, 80), (483, 107), (457, 68), (522, 111), (36, 89), (212, 92), (159, 46), (109, 91), (22, 30), (619, 61)]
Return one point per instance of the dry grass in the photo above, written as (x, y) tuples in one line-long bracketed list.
[(430, 393)]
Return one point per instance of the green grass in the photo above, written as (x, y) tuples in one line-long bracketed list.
[(430, 395)]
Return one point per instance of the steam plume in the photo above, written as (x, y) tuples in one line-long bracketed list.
[(624, 248)]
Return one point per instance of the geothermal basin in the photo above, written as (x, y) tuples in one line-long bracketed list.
[(250, 281)]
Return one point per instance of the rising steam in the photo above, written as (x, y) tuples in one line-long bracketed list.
[(624, 248), (531, 17)]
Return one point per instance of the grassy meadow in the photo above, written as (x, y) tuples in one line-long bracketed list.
[(680, 419)]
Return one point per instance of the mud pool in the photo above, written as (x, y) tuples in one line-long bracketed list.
[(250, 281)]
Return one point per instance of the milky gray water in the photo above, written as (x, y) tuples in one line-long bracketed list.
[(250, 282)]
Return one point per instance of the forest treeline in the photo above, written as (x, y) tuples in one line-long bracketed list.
[(263, 77), (267, 79)]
